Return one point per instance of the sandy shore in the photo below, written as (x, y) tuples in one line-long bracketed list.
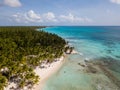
[(44, 72), (47, 71)]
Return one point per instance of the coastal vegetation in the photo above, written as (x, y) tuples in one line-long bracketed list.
[(24, 48)]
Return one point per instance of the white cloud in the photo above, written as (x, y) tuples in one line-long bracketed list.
[(30, 16), (74, 19), (33, 17), (50, 17), (12, 3), (18, 17), (86, 19), (115, 1)]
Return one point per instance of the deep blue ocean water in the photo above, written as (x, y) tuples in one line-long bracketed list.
[(92, 43)]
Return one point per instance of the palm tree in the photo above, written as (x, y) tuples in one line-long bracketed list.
[(3, 82)]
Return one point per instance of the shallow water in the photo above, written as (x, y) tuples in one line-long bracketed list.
[(93, 43)]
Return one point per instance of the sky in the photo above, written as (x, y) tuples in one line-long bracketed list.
[(60, 12)]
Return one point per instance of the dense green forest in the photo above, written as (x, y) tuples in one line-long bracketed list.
[(22, 48)]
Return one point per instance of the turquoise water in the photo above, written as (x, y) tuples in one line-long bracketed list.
[(94, 43)]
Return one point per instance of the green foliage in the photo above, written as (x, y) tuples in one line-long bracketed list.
[(22, 49), (3, 82)]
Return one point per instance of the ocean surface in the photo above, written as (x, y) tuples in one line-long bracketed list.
[(95, 44)]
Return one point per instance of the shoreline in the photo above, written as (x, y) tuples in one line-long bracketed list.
[(43, 72), (48, 71)]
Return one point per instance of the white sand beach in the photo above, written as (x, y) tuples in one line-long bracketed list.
[(47, 71), (43, 72)]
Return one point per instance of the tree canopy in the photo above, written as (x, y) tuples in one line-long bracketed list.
[(22, 48)]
